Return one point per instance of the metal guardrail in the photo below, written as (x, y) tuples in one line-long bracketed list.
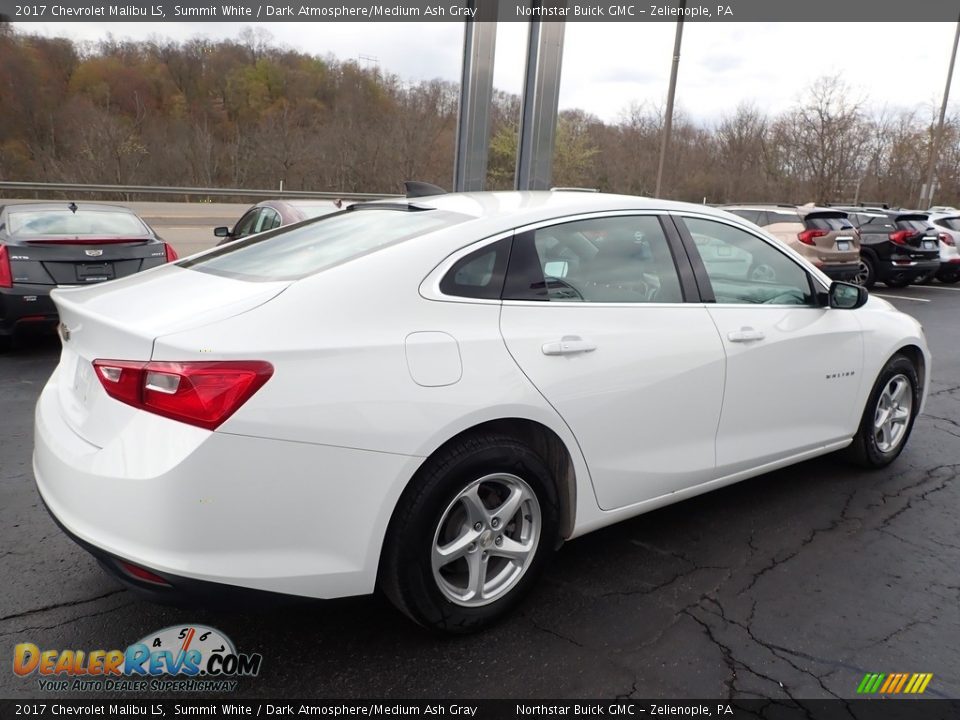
[(159, 190)]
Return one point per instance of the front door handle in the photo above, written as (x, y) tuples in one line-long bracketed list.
[(745, 334), (568, 345)]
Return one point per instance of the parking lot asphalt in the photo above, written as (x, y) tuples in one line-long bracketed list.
[(792, 584)]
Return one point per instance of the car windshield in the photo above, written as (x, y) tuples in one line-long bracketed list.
[(297, 251), (99, 223)]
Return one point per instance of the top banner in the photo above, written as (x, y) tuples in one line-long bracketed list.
[(482, 10)]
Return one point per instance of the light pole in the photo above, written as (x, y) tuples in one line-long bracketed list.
[(927, 190), (668, 121)]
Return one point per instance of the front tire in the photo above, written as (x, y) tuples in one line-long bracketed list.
[(470, 534), (889, 415)]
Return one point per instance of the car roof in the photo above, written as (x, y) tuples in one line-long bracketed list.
[(530, 206), (65, 205), (762, 206)]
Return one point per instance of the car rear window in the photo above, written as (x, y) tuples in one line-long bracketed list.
[(951, 223), (294, 252), (827, 223), (29, 223), (919, 225)]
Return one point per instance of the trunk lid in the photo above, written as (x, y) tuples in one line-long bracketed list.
[(121, 319), (65, 261), (840, 243), (923, 235)]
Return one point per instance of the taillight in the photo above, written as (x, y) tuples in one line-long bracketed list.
[(6, 276), (171, 253), (947, 239), (202, 393), (807, 236), (900, 236)]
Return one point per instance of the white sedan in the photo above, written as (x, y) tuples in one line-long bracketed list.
[(428, 396)]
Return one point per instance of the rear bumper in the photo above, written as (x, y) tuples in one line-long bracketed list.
[(196, 507), (906, 268), (844, 271), (26, 306), (177, 590)]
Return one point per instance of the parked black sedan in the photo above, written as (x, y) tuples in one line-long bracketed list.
[(56, 244)]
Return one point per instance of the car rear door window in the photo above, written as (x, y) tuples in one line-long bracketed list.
[(623, 259), (269, 219), (744, 269), (779, 216), (480, 274), (751, 215)]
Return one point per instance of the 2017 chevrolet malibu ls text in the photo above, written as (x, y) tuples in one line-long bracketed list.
[(429, 396)]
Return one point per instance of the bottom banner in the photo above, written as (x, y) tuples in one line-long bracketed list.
[(860, 709)]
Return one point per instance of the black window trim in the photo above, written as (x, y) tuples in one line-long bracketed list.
[(817, 289), (430, 285)]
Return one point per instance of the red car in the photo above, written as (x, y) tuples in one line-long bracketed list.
[(271, 214)]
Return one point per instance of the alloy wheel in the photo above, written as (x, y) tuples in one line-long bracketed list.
[(892, 414), (863, 273), (486, 539)]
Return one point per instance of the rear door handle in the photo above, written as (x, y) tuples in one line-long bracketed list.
[(568, 345), (745, 334)]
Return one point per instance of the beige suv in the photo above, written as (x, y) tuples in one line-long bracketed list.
[(825, 237)]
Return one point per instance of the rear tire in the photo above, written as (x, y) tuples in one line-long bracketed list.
[(897, 281), (866, 273), (948, 277), (470, 535), (889, 415)]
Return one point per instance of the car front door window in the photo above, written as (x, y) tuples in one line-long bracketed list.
[(246, 224), (747, 270)]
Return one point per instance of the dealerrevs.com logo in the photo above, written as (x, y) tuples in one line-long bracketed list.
[(192, 658)]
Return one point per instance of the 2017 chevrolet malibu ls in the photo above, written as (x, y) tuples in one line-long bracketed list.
[(429, 396)]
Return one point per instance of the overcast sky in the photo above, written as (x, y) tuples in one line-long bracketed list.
[(608, 66)]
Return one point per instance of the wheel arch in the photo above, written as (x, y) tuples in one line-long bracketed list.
[(541, 439), (915, 355)]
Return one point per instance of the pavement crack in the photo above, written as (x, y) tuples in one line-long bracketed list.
[(57, 606), (72, 620), (775, 650), (556, 634)]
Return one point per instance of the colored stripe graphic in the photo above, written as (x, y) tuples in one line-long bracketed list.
[(894, 683)]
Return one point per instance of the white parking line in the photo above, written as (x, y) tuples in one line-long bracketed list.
[(902, 297), (937, 287)]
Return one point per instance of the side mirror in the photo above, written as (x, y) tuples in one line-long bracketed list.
[(222, 231), (847, 296)]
